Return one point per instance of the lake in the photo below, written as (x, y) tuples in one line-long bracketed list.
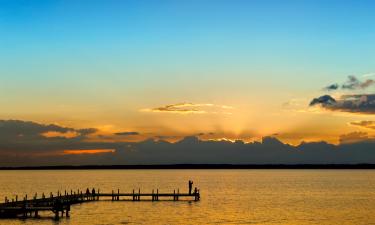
[(227, 196)]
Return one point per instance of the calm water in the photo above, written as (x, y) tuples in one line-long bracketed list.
[(228, 196)]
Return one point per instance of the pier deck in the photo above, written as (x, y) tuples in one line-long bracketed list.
[(60, 204)]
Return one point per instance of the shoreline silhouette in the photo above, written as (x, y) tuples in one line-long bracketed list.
[(198, 166)]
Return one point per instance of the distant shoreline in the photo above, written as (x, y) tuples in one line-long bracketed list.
[(197, 166)]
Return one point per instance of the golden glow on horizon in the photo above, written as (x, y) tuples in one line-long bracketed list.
[(52, 134), (87, 151), (293, 122)]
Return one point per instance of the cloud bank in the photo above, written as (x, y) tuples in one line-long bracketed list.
[(22, 145)]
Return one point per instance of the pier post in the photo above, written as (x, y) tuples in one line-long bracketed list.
[(153, 197), (113, 197), (178, 193), (118, 194), (133, 195), (57, 215), (139, 194), (24, 210), (67, 211), (174, 195), (157, 194)]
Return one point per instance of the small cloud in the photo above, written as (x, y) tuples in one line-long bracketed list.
[(364, 124), (323, 100), (190, 108), (368, 75), (127, 133), (331, 87)]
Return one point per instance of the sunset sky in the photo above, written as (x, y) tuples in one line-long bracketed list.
[(134, 70)]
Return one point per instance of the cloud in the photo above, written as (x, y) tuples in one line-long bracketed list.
[(353, 83), (26, 147), (127, 133), (364, 103), (353, 137), (323, 100), (191, 108), (368, 75), (25, 129), (22, 145), (331, 87), (364, 124), (26, 137)]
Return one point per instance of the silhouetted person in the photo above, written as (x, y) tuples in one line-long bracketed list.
[(190, 186), (195, 190), (87, 193)]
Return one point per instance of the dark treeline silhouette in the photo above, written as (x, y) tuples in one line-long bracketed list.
[(191, 150)]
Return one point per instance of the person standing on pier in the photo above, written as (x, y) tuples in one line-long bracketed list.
[(87, 193), (93, 193), (190, 186)]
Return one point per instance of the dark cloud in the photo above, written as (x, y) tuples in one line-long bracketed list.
[(127, 133), (331, 87), (87, 131), (323, 100), (29, 137), (347, 103), (23, 129), (354, 83), (364, 124)]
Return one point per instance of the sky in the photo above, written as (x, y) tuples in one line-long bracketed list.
[(220, 70)]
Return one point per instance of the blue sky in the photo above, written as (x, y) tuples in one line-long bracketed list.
[(99, 63)]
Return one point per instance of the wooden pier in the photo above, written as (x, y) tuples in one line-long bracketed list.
[(60, 204)]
